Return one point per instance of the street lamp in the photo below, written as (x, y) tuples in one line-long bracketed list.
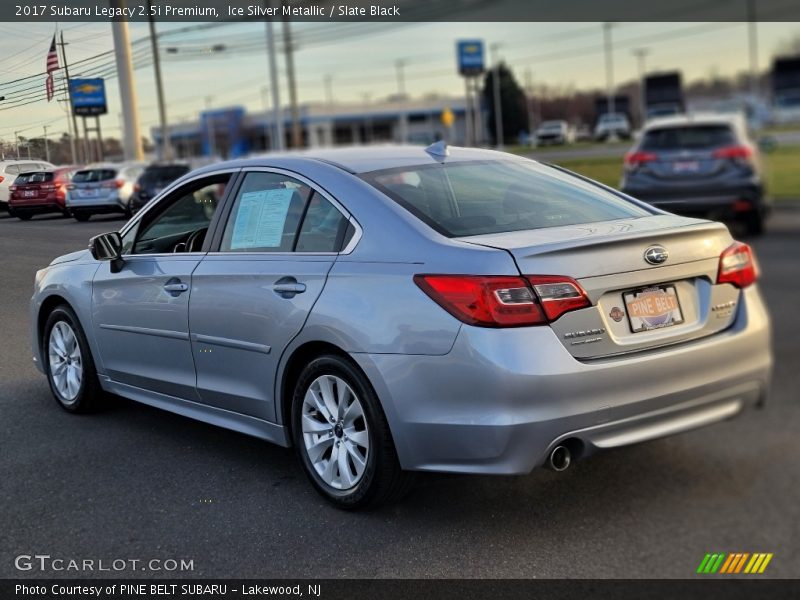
[(640, 54), (498, 108)]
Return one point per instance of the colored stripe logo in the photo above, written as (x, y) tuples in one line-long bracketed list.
[(734, 563)]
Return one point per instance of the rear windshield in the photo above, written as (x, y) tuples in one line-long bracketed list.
[(160, 175), (35, 177), (474, 198), (92, 175), (692, 137)]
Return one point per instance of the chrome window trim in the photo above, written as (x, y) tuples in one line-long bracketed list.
[(317, 189)]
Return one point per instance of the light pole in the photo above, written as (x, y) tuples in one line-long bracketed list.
[(46, 145), (752, 42), (166, 148), (277, 118), (498, 108), (401, 96), (132, 143), (609, 72), (212, 142), (16, 142), (641, 54), (328, 81)]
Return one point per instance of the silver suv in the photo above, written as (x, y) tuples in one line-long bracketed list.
[(102, 188)]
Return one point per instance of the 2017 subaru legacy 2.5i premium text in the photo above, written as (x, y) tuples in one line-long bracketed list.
[(386, 310)]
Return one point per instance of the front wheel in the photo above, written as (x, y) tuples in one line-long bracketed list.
[(342, 438), (68, 362)]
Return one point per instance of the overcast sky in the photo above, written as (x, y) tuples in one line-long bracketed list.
[(361, 60)]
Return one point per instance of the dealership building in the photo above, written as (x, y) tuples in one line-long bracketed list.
[(233, 132)]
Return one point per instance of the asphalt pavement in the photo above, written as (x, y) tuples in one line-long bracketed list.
[(133, 482)]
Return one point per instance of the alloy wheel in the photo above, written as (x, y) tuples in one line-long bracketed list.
[(66, 362)]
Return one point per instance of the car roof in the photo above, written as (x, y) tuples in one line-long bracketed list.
[(693, 119), (363, 159)]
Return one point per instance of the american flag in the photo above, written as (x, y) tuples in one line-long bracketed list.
[(52, 65)]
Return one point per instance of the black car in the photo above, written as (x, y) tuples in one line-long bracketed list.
[(154, 179), (698, 166)]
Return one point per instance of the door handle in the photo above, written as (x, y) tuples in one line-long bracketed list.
[(288, 287), (175, 287)]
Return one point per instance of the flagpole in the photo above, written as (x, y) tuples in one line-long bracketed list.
[(74, 121)]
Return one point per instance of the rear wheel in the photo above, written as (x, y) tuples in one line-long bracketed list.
[(68, 362), (81, 216), (23, 216), (342, 437), (754, 222)]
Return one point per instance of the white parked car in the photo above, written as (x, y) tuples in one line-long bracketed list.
[(9, 169), (555, 132), (612, 124)]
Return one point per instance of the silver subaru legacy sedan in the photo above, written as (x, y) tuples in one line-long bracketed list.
[(397, 309)]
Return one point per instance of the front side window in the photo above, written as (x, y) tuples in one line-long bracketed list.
[(179, 222), (475, 198)]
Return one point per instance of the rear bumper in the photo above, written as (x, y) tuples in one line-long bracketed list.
[(97, 205), (37, 205), (720, 202), (502, 399)]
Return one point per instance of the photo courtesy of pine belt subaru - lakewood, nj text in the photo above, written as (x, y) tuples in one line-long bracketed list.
[(387, 310)]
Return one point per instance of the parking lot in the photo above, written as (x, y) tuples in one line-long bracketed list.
[(137, 483)]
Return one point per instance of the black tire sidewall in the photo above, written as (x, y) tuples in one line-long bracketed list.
[(334, 365), (83, 400)]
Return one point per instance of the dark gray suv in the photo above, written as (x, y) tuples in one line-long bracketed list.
[(698, 166)]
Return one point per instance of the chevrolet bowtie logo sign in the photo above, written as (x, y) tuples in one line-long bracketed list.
[(734, 563)]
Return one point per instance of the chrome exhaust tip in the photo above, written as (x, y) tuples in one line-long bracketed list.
[(560, 458)]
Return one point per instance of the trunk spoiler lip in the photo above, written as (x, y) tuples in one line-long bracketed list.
[(594, 239)]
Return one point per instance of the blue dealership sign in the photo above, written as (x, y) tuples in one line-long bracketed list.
[(88, 97), (470, 57)]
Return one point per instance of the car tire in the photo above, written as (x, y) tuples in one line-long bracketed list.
[(754, 222), (332, 452), (23, 216), (81, 216), (68, 362)]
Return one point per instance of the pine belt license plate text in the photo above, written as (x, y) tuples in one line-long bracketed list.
[(653, 308)]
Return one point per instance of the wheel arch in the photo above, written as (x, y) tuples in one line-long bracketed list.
[(294, 363)]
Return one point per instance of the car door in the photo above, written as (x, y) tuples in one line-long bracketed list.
[(140, 307), (253, 293)]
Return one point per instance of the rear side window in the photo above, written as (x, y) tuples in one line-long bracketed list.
[(266, 214), (36, 177), (13, 169), (93, 175), (687, 138), (474, 198), (277, 213)]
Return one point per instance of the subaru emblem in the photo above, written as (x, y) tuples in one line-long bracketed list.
[(656, 255)]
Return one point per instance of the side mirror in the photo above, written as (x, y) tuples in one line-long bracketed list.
[(107, 246)]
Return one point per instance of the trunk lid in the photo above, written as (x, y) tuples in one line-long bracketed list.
[(636, 305)]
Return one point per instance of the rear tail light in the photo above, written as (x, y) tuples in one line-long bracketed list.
[(71, 186), (1, 178), (633, 160), (734, 152), (737, 266), (137, 187), (503, 301), (558, 294), (114, 183), (12, 188), (48, 187)]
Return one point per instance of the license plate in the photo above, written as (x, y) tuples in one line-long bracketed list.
[(686, 166), (89, 193), (653, 308), (29, 193)]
